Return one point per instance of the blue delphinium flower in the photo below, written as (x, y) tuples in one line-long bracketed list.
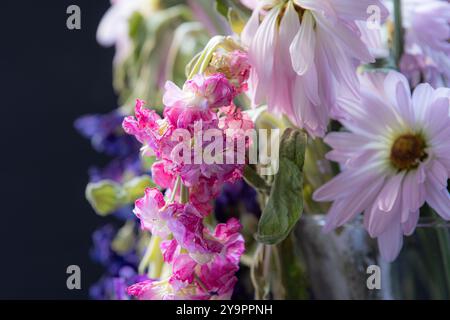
[(106, 134), (120, 268)]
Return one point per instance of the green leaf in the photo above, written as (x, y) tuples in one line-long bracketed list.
[(134, 188), (147, 162), (237, 23), (224, 6), (285, 204), (135, 22), (255, 180), (105, 196), (125, 238)]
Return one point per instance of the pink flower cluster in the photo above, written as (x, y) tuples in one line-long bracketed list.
[(203, 262)]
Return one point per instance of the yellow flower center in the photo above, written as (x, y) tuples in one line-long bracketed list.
[(408, 151)]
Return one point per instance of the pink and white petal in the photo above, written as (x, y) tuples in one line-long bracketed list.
[(439, 143), (421, 98), (438, 117), (441, 93), (377, 118), (303, 46), (320, 6), (347, 147), (413, 194), (340, 63), (344, 37), (437, 174), (391, 190), (345, 183), (312, 91), (280, 97), (250, 28), (378, 221), (184, 268), (305, 114), (439, 199), (352, 10), (390, 242), (374, 82), (410, 224), (172, 95), (327, 89), (262, 53), (345, 141), (363, 158), (252, 4), (344, 210), (398, 92)]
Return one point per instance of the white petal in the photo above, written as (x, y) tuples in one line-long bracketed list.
[(320, 6), (438, 199), (413, 195), (410, 225), (346, 209), (390, 192), (378, 221), (262, 51), (250, 28), (397, 90), (421, 99), (344, 183), (303, 46), (390, 242)]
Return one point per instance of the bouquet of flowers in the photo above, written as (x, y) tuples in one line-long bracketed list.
[(241, 120)]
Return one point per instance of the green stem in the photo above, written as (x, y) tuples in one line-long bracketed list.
[(184, 194), (175, 189), (206, 55), (398, 32), (152, 256)]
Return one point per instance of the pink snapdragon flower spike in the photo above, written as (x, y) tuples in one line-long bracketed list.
[(193, 276), (203, 263), (396, 153), (303, 52), (427, 47)]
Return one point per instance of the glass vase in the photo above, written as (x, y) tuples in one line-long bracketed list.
[(338, 263)]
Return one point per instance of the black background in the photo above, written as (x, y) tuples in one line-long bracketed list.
[(49, 76)]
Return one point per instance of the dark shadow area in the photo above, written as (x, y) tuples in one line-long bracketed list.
[(49, 76)]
